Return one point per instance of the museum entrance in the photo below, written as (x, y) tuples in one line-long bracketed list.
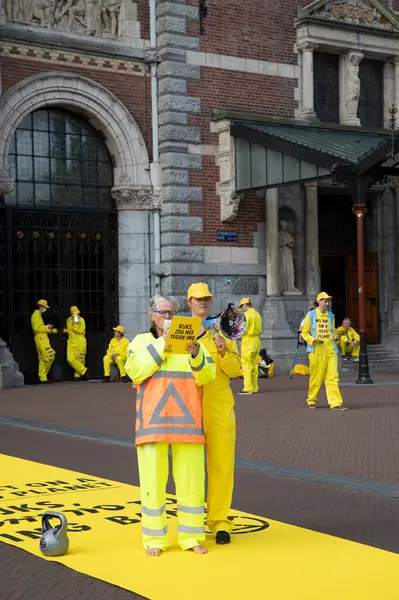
[(58, 238), (338, 264)]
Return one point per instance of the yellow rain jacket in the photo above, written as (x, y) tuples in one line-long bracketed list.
[(348, 335), (250, 348), (45, 352), (76, 347), (220, 432), (118, 347), (169, 414)]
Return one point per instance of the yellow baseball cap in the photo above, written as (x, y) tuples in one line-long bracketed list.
[(323, 296), (42, 303), (245, 301), (74, 310), (119, 328), (198, 290)]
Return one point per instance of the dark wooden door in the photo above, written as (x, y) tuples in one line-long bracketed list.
[(371, 292)]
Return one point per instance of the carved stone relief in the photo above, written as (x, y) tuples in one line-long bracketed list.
[(137, 198), (354, 12), (229, 198), (352, 88), (90, 17)]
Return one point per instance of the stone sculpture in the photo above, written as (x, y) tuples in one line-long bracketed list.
[(287, 271), (93, 17), (352, 88)]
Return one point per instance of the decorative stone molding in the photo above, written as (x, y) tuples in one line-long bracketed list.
[(102, 109), (229, 198), (106, 19), (305, 46), (351, 88), (137, 198), (393, 183), (364, 13)]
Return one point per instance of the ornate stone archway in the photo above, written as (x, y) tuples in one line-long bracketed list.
[(132, 186)]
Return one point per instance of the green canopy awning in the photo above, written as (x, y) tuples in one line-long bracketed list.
[(273, 154)]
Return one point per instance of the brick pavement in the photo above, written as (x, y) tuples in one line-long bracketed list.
[(273, 426)]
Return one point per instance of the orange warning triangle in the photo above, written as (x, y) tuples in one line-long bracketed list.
[(174, 410)]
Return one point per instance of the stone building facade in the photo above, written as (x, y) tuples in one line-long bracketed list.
[(180, 214)]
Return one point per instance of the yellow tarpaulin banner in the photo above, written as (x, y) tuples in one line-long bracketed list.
[(183, 331), (280, 562)]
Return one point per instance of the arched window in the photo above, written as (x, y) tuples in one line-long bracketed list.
[(59, 160)]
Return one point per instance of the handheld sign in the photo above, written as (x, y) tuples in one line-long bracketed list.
[(183, 331)]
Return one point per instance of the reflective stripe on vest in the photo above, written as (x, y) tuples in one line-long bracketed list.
[(312, 317), (169, 409)]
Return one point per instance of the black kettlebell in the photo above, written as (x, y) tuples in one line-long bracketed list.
[(54, 540)]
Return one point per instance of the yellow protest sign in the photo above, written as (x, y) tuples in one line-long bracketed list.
[(105, 542), (183, 330)]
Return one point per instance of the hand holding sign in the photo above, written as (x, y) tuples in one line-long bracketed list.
[(183, 333)]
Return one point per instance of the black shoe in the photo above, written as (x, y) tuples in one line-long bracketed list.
[(126, 379), (106, 379), (85, 377), (223, 537)]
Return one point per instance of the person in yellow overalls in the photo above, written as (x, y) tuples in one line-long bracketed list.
[(219, 417), (250, 348), (168, 414), (349, 343), (116, 355), (45, 352), (318, 333), (76, 346)]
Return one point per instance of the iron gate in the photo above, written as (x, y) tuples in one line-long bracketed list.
[(66, 257)]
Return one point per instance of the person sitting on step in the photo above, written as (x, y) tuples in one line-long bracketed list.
[(116, 355), (349, 343)]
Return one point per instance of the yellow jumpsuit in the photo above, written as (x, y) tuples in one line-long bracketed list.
[(76, 346), (45, 352), (349, 335), (250, 348), (118, 347), (323, 361), (220, 433), (147, 364)]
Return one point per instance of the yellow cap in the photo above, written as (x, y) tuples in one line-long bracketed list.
[(119, 328), (74, 310), (245, 301), (198, 290), (323, 296), (42, 303)]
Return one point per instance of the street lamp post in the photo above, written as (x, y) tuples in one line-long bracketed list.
[(364, 376)]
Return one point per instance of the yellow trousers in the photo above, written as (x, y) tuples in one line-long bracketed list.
[(250, 348), (188, 467), (76, 356), (46, 356), (349, 350), (109, 361), (324, 367), (220, 434)]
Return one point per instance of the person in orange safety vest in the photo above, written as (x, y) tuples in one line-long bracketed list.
[(169, 414)]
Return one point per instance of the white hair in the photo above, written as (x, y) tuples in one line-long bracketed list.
[(156, 300)]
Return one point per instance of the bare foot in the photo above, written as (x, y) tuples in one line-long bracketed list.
[(200, 550), (153, 552)]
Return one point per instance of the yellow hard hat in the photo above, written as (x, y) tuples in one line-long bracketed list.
[(42, 303), (198, 290), (323, 296), (119, 328), (74, 310), (245, 301)]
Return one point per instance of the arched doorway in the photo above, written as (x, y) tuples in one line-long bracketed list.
[(59, 230)]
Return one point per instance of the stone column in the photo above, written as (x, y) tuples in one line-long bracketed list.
[(396, 93), (272, 249), (312, 240), (394, 326), (308, 112)]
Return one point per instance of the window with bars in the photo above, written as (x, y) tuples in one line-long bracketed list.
[(371, 100), (58, 159), (326, 86)]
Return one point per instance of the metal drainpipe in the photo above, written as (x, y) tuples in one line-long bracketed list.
[(155, 139)]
